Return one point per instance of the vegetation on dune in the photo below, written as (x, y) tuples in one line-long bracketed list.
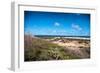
[(37, 49)]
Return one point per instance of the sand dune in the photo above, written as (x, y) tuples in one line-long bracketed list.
[(37, 49)]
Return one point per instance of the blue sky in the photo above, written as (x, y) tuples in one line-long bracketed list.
[(54, 23)]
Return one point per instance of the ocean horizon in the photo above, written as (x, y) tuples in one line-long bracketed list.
[(63, 36), (60, 36)]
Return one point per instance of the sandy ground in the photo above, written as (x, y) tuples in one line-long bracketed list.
[(80, 48), (73, 44)]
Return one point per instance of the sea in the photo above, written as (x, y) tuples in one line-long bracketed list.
[(63, 36)]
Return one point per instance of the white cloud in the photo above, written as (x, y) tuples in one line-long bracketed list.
[(57, 24), (76, 27), (54, 31)]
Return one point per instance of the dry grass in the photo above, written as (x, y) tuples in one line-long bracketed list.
[(37, 49)]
